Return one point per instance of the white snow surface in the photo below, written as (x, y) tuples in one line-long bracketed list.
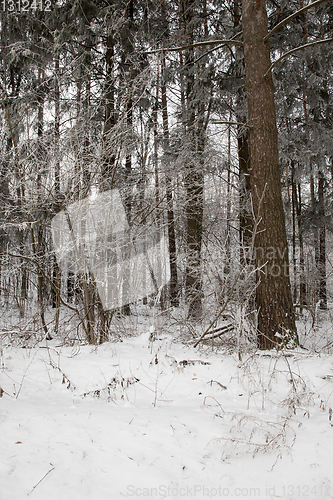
[(161, 420)]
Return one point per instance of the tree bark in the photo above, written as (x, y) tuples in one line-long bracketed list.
[(322, 244), (168, 186), (194, 179), (168, 182), (298, 206), (315, 234), (276, 321), (245, 214), (56, 273), (293, 211), (128, 71), (109, 160)]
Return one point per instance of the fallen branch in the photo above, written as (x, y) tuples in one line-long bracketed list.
[(48, 472), (217, 332)]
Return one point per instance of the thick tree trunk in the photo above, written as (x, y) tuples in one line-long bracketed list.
[(276, 321)]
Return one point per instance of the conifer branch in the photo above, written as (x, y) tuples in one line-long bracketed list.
[(231, 123), (287, 19), (193, 45), (311, 44)]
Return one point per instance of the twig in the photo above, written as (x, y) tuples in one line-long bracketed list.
[(24, 375), (48, 472), (248, 253), (212, 397), (65, 379)]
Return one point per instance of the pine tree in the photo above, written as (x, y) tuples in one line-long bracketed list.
[(276, 321)]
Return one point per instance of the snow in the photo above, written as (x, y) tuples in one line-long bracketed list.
[(161, 420)]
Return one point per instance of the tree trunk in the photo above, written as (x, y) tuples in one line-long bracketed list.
[(315, 236), (38, 239), (194, 180), (298, 207), (228, 209), (86, 174), (170, 213), (127, 67), (245, 214), (109, 160), (293, 211), (322, 244), (276, 321), (155, 120), (56, 273)]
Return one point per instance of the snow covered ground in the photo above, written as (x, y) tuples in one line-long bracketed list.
[(161, 420)]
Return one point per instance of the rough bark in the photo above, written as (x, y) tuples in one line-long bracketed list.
[(276, 321)]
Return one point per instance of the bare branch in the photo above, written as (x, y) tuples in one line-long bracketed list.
[(249, 253)]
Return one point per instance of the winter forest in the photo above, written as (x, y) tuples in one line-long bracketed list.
[(166, 173)]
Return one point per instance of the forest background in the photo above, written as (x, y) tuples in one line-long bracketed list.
[(214, 121)]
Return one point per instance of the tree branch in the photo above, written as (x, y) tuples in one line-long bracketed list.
[(193, 45), (311, 44), (287, 19), (231, 123)]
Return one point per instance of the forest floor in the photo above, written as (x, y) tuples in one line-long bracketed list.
[(162, 420)]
